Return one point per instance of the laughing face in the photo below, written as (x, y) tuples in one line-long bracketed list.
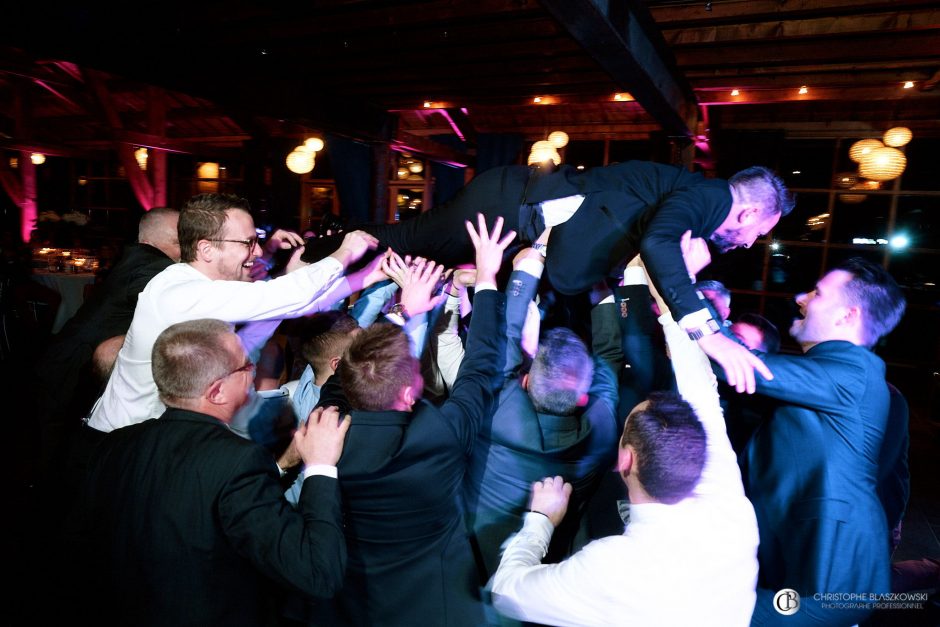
[(821, 310), (238, 247)]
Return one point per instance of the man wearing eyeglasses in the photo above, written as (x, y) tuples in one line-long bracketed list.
[(183, 522), (218, 246)]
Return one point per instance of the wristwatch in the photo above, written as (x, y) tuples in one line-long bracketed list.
[(399, 310), (540, 248), (709, 328)]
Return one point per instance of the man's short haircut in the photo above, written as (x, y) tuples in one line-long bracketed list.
[(326, 335), (770, 342), (376, 367), (152, 223), (759, 185), (561, 373), (203, 217), (877, 294), (188, 356), (670, 443)]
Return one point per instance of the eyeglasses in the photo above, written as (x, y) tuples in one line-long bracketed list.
[(247, 366), (249, 243)]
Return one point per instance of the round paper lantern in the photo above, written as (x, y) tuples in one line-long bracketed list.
[(416, 167), (883, 164), (558, 139), (300, 162), (543, 155), (314, 143), (543, 145), (37, 158), (897, 136), (862, 148)]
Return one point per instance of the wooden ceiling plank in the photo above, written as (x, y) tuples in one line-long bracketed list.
[(631, 50), (696, 15), (914, 45), (819, 27)]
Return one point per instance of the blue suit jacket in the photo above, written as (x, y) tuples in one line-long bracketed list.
[(811, 470)]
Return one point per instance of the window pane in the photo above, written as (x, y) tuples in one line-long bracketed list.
[(807, 221), (794, 269), (739, 269), (919, 274), (807, 163), (919, 219), (866, 220), (590, 154)]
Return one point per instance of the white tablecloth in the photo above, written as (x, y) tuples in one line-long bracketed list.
[(71, 287)]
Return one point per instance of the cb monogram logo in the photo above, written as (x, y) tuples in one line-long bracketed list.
[(787, 601)]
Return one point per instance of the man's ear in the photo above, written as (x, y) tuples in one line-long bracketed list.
[(748, 214), (624, 460), (407, 396), (216, 394), (334, 363), (583, 400), (851, 317), (205, 251), (524, 382)]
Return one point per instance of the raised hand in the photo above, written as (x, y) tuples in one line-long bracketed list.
[(419, 285), (738, 363), (489, 247), (354, 246), (695, 253), (282, 239)]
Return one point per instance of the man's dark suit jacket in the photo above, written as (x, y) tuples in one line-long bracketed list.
[(108, 313), (811, 471), (519, 445), (410, 561), (628, 208), (182, 522)]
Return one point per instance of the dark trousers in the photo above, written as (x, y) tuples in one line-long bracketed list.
[(440, 234)]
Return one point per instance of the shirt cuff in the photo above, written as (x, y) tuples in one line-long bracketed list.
[(531, 266), (323, 470), (695, 319), (634, 275), (480, 287)]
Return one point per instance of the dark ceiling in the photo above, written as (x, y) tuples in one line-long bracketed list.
[(75, 78)]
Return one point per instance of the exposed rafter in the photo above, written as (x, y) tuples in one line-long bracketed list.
[(625, 42)]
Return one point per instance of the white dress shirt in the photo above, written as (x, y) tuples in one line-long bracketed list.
[(692, 563), (181, 293)]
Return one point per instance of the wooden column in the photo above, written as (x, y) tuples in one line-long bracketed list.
[(380, 156), (28, 208)]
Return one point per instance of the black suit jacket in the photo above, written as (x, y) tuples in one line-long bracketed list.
[(106, 314), (628, 208), (410, 561), (182, 522)]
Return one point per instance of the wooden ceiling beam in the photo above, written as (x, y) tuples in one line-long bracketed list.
[(814, 93), (696, 14), (624, 40), (826, 27), (880, 47), (408, 142)]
